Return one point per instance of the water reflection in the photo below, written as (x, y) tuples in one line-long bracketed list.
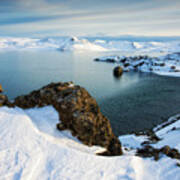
[(135, 101)]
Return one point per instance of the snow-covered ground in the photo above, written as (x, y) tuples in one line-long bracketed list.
[(31, 149), (164, 65), (82, 44)]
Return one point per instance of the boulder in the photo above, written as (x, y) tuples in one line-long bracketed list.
[(173, 67), (118, 71), (78, 112), (4, 101)]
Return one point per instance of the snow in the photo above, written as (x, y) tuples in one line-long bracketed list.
[(62, 44), (168, 65), (32, 148), (82, 44)]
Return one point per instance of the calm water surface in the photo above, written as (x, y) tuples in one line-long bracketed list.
[(134, 102)]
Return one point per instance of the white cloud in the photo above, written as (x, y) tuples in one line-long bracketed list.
[(82, 17)]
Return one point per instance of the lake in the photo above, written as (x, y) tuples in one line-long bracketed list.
[(134, 102)]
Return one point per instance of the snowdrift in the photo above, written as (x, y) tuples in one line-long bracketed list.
[(32, 148)]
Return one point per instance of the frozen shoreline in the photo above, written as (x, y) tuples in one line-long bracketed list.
[(168, 65), (31, 147)]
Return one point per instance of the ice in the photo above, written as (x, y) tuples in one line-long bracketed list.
[(32, 148)]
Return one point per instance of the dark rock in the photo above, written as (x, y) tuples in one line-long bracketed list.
[(150, 69), (149, 151), (96, 59), (141, 63), (162, 64), (136, 66), (178, 164), (173, 67), (78, 112), (173, 153), (118, 71), (110, 60), (123, 60), (159, 64), (73, 39), (165, 150), (4, 101), (126, 64)]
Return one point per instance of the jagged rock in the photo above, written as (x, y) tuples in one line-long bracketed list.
[(149, 151), (118, 71), (78, 113)]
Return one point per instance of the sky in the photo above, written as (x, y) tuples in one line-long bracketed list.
[(89, 17)]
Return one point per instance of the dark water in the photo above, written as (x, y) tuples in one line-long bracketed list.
[(134, 102)]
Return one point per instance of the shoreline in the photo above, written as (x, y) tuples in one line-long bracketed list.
[(32, 140)]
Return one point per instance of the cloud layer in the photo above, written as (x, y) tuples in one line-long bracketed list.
[(89, 17)]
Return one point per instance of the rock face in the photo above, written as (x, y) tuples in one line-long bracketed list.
[(1, 89), (3, 99), (78, 113)]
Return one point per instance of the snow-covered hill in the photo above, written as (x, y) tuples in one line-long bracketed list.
[(82, 44), (31, 149)]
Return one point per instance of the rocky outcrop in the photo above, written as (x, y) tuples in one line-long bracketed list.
[(149, 151), (1, 89), (144, 63), (78, 112), (4, 99)]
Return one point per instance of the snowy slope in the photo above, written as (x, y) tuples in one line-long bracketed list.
[(31, 149), (81, 44)]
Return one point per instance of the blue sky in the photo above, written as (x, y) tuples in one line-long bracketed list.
[(89, 17)]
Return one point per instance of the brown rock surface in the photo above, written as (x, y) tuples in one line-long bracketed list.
[(4, 99), (1, 89), (78, 113)]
